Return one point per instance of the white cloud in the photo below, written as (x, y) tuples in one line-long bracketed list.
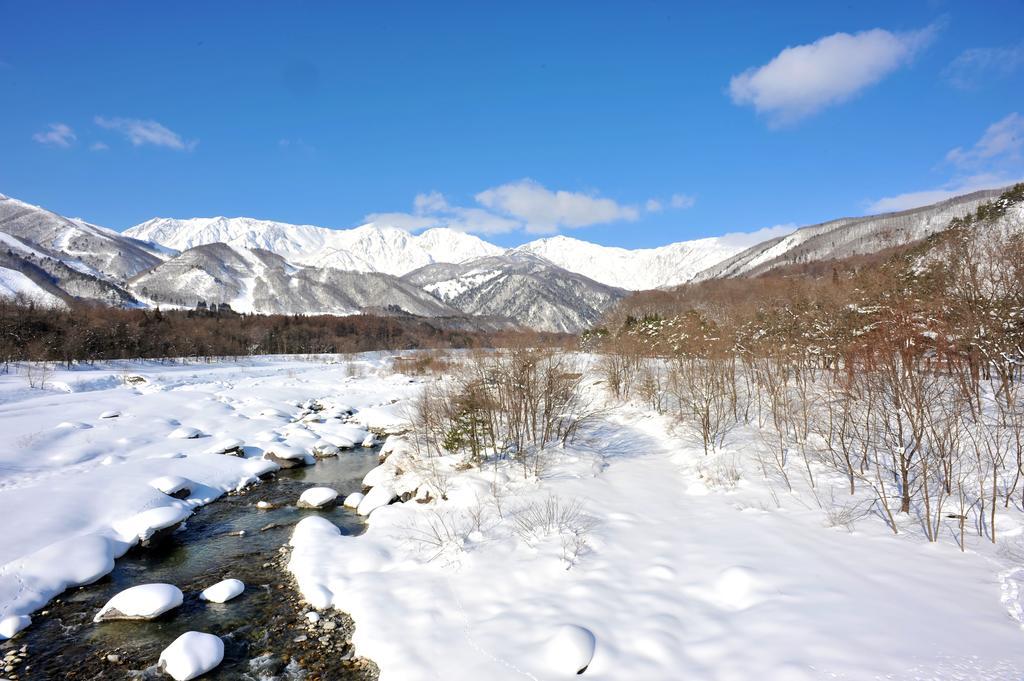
[(542, 211), (980, 63), (98, 146), (524, 205), (804, 79), (143, 132), (653, 206), (1003, 139), (993, 162), (953, 188), (747, 239), (430, 203), (682, 201), (59, 135)]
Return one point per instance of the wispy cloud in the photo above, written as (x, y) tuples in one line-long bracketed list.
[(993, 161), (58, 135), (524, 205), (1004, 139), (98, 146), (146, 132), (747, 239), (956, 187), (802, 80), (976, 65)]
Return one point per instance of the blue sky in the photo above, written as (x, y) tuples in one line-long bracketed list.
[(630, 124)]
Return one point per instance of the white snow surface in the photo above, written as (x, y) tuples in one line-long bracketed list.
[(13, 282), (75, 489), (144, 601), (678, 579), (223, 591), (192, 654)]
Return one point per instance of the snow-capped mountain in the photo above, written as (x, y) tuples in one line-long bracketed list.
[(66, 258), (369, 248), (258, 281), (848, 236), (94, 250), (637, 269), (521, 286)]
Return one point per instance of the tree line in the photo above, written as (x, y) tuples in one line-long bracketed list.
[(85, 332)]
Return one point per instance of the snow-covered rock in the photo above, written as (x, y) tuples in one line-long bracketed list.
[(325, 450), (370, 440), (142, 602), (190, 655), (223, 591), (185, 433), (317, 497), (353, 500), (231, 446), (570, 649), (379, 475), (286, 455), (381, 495), (143, 526), (12, 624), (171, 485), (110, 414)]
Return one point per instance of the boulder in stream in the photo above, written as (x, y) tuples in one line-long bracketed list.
[(190, 655), (142, 602)]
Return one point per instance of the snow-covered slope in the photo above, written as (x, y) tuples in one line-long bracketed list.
[(848, 236), (520, 286), (255, 280), (637, 269), (15, 284), (95, 250), (369, 248)]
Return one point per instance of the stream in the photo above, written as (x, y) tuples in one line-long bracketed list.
[(266, 635)]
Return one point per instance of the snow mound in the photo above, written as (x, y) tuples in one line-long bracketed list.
[(190, 655), (112, 414), (185, 433), (231, 445), (223, 591), (286, 451), (382, 495), (352, 500), (317, 497), (570, 650), (142, 526), (142, 602), (12, 624), (171, 485)]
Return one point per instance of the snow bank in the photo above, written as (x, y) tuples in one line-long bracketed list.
[(12, 624), (381, 495), (170, 485), (223, 591), (190, 655), (142, 602), (142, 526)]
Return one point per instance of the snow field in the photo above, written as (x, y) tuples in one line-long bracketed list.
[(79, 490)]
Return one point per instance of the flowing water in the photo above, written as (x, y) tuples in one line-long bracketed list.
[(265, 633)]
